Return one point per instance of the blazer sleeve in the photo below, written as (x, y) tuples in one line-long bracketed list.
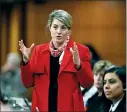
[(27, 71), (85, 74)]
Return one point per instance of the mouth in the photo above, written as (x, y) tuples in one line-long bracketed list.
[(107, 92), (58, 37), (98, 83)]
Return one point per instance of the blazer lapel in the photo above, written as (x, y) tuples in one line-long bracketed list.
[(45, 53), (66, 58), (47, 61)]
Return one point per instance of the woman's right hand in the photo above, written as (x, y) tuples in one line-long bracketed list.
[(26, 52)]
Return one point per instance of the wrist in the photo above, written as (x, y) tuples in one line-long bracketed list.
[(25, 60), (78, 67)]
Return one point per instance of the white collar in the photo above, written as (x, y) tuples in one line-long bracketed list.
[(61, 57), (114, 106)]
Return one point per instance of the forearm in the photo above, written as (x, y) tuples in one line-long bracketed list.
[(85, 75), (26, 75)]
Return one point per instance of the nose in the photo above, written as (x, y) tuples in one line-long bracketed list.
[(59, 30), (98, 78), (106, 86)]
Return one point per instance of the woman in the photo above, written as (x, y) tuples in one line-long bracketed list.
[(11, 70), (97, 98), (57, 69), (114, 85)]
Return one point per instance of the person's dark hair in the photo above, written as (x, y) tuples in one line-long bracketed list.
[(94, 54), (120, 72)]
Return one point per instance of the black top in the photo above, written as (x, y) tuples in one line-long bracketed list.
[(53, 88), (98, 103)]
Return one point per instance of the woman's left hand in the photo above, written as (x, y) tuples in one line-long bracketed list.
[(75, 54)]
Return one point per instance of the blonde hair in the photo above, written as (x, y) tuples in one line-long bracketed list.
[(101, 66), (60, 15)]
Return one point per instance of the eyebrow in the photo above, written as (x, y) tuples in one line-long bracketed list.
[(112, 79), (57, 25), (109, 79), (54, 24)]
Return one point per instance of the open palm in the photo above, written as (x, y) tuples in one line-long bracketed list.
[(26, 52), (75, 54)]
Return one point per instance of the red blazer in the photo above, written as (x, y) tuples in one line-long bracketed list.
[(36, 74)]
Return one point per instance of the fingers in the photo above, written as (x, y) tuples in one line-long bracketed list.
[(21, 44), (71, 50), (32, 46), (74, 49), (75, 46), (75, 54)]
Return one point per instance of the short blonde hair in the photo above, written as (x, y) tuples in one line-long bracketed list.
[(101, 66), (60, 15)]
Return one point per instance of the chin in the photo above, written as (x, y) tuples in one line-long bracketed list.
[(98, 86), (109, 97)]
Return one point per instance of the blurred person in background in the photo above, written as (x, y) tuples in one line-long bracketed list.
[(4, 103), (96, 98), (115, 88), (11, 84), (57, 68), (95, 57)]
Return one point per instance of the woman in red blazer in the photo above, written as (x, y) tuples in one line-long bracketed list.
[(57, 69)]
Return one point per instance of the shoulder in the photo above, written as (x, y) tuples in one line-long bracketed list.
[(80, 46), (93, 98), (41, 47), (122, 104), (83, 50)]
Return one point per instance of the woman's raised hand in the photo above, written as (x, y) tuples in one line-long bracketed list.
[(75, 54), (26, 52)]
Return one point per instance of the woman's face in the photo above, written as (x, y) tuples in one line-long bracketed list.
[(112, 86), (98, 80), (59, 32)]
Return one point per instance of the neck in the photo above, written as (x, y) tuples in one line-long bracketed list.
[(99, 92), (56, 45), (117, 99)]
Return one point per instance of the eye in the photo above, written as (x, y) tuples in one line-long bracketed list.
[(64, 27), (112, 81), (104, 82), (55, 26)]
